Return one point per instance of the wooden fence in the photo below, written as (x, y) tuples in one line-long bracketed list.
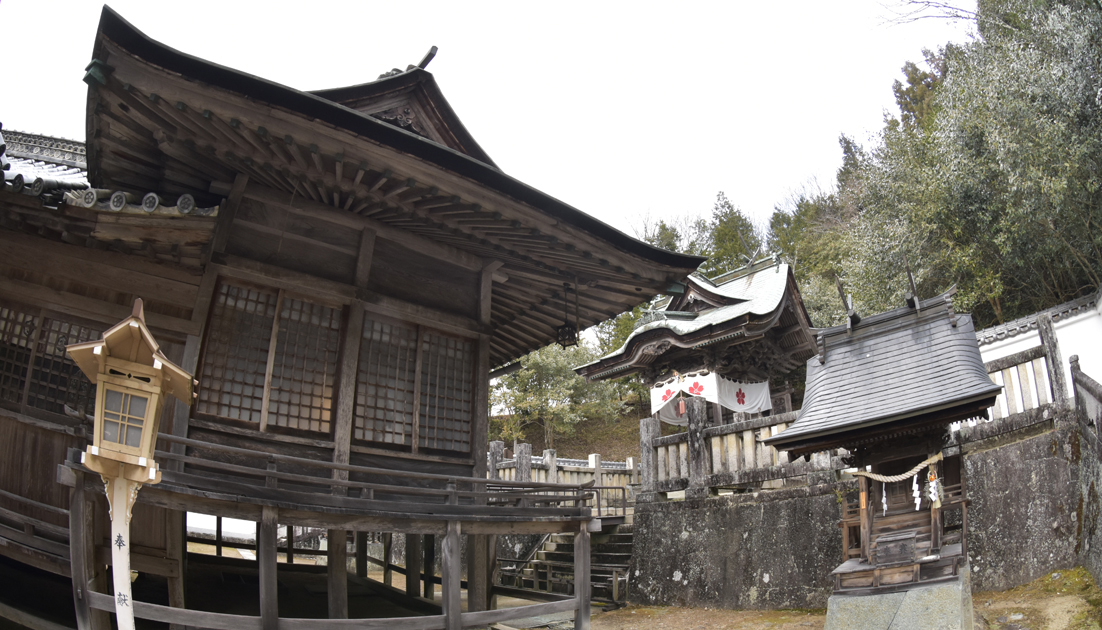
[(612, 481)]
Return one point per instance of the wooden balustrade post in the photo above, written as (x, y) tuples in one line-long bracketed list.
[(551, 460), (82, 556), (522, 455), (595, 464), (699, 453), (497, 453), (176, 552), (648, 459), (1053, 360)]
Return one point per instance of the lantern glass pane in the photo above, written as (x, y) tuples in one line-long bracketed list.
[(123, 417), (137, 409), (113, 401), (133, 436)]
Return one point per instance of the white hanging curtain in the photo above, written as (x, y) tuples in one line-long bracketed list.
[(736, 396)]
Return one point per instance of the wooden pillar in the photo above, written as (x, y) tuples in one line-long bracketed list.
[(266, 558), (1053, 360), (699, 468), (648, 459), (717, 414), (866, 531), (413, 565), (450, 587), (595, 464), (82, 556), (337, 573), (388, 545), (935, 515), (497, 453), (581, 577), (218, 535), (551, 460), (290, 544), (479, 571), (430, 566), (176, 553), (361, 554), (523, 457)]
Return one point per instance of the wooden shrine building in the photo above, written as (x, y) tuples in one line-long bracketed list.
[(886, 388), (747, 325), (340, 270)]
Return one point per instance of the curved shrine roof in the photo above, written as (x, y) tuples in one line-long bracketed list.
[(890, 368)]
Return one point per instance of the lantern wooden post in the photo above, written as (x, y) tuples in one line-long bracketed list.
[(132, 376)]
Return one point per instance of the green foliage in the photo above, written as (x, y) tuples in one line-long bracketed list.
[(548, 395), (997, 190)]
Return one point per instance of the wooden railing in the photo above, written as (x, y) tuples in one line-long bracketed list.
[(611, 480), (429, 495), (729, 456)]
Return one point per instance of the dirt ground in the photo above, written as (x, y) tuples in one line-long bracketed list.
[(672, 618), (1063, 600)]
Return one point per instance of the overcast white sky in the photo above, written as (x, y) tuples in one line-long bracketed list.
[(622, 109)]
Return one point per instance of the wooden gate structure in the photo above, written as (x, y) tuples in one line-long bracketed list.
[(340, 270)]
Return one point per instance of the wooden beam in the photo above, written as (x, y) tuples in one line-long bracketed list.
[(486, 287), (226, 215), (424, 245), (363, 262)]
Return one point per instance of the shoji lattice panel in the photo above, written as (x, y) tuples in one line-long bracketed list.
[(18, 330), (305, 366), (447, 365), (235, 357), (57, 382), (385, 383)]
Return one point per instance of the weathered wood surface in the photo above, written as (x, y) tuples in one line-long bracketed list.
[(582, 579), (266, 558)]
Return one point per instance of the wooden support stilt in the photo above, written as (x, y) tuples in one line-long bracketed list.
[(413, 565), (478, 572), (935, 516), (361, 554), (429, 566), (266, 558), (581, 577), (176, 552), (450, 591), (388, 545), (337, 573)]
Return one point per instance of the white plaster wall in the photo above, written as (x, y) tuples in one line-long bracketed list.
[(1079, 334)]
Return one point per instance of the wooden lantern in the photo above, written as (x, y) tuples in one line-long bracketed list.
[(132, 378)]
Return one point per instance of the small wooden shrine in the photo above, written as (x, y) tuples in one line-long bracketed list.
[(886, 388), (749, 324)]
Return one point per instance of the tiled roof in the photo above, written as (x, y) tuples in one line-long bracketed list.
[(1026, 324), (43, 166), (759, 292), (891, 367)]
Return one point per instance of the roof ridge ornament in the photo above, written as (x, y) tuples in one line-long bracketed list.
[(852, 318)]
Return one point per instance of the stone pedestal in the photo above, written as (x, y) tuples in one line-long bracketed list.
[(944, 606)]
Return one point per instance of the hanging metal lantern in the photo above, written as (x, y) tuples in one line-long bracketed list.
[(567, 334)]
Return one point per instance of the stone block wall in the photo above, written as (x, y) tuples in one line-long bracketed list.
[(760, 550)]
